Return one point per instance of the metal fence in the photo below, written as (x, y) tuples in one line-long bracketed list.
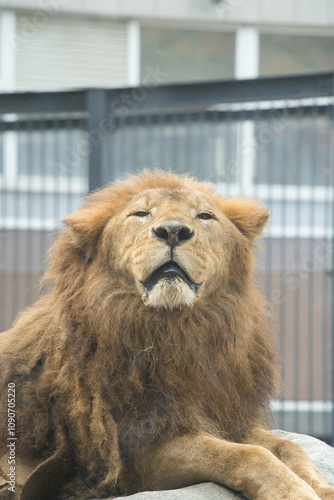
[(268, 138)]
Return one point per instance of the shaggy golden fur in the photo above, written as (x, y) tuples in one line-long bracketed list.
[(126, 382)]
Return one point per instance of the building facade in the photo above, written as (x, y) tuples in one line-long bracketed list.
[(68, 44)]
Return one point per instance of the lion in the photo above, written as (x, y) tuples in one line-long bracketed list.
[(149, 363)]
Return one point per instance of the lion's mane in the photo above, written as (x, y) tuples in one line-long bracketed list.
[(98, 372)]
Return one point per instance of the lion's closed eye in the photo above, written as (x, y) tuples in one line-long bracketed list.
[(205, 216), (140, 213)]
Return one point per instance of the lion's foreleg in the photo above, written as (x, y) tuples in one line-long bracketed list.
[(243, 467), (292, 455)]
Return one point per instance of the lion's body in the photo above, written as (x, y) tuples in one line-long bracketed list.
[(108, 371)]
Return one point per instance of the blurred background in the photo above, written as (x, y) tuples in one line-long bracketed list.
[(237, 92)]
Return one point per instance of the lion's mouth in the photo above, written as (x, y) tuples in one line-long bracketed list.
[(169, 271)]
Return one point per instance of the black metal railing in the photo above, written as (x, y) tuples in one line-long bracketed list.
[(270, 138)]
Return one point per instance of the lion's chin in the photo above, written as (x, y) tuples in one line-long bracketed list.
[(170, 294)]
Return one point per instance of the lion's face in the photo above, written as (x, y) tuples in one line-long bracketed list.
[(174, 245), (170, 238)]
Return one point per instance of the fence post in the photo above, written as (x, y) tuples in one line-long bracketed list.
[(331, 145), (332, 322), (96, 107), (332, 334)]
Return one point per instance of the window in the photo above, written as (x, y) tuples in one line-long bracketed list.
[(173, 55), (291, 54)]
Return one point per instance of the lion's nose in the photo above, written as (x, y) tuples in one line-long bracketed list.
[(173, 235)]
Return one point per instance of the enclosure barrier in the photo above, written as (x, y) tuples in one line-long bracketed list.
[(270, 138)]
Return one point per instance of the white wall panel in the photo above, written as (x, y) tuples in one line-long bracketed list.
[(67, 52)]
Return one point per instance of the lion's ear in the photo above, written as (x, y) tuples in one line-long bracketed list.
[(85, 227), (247, 215)]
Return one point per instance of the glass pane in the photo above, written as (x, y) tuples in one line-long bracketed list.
[(182, 56), (54, 153), (282, 54), (297, 153)]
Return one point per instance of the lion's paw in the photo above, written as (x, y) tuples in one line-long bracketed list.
[(296, 489), (325, 492)]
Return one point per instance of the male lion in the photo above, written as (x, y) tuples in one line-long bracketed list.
[(149, 365)]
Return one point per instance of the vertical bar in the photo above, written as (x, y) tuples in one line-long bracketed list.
[(216, 167), (56, 157), (324, 288), (135, 144), (325, 296), (326, 279), (312, 237), (297, 251), (247, 53), (282, 244), (175, 144), (29, 231), (188, 138), (331, 238), (202, 160), (45, 241), (21, 216), (96, 107), (270, 245), (116, 148), (332, 272), (332, 304), (228, 154), (133, 60), (160, 140)]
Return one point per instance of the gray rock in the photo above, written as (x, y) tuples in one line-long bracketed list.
[(202, 491), (321, 454)]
